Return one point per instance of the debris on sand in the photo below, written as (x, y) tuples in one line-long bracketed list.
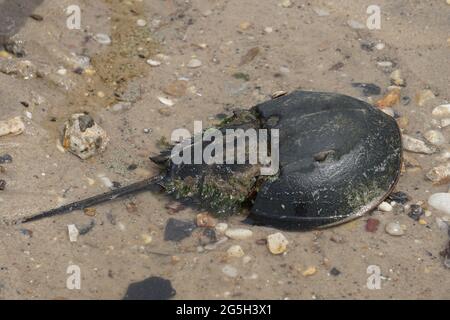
[(277, 243), (396, 78), (2, 185), (309, 272), (83, 136), (204, 220), (194, 63), (439, 174), (177, 230), (423, 96), (416, 145), (446, 255), (153, 288), (399, 197), (14, 126), (230, 271)]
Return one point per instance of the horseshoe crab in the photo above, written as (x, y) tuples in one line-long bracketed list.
[(339, 157)]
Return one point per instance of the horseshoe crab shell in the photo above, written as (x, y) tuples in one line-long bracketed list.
[(339, 158)]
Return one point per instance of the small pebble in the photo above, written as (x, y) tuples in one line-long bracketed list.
[(335, 272), (385, 64), (355, 24), (372, 225), (441, 111), (230, 271), (435, 137), (194, 63), (147, 238), (423, 96), (153, 63), (277, 243), (235, 252), (396, 78), (321, 12), (204, 220), (416, 212), (239, 234), (394, 229), (268, 29), (385, 207), (141, 23), (102, 38), (439, 174), (2, 185), (14, 126), (416, 145), (380, 46), (309, 272)]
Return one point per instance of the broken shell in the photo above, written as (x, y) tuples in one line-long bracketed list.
[(14, 126), (166, 101), (73, 232), (235, 252), (440, 174), (205, 221), (441, 202), (423, 96), (277, 243), (309, 272), (239, 234), (416, 145), (83, 137), (435, 137), (102, 38), (390, 100), (153, 63), (441, 111), (396, 78), (194, 63)]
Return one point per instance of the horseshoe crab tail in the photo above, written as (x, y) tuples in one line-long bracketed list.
[(147, 184)]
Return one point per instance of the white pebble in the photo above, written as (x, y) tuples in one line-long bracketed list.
[(102, 38), (268, 29), (194, 63), (380, 46), (62, 72), (435, 137), (394, 229), (385, 207), (73, 232), (235, 252), (442, 111), (440, 201), (230, 271), (239, 234), (384, 64), (154, 63), (439, 174), (141, 23), (277, 243)]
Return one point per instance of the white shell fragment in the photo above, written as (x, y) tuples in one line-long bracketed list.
[(435, 137), (235, 252), (102, 38), (277, 243), (194, 63), (73, 232), (239, 234), (166, 101), (439, 174), (441, 202), (442, 111), (83, 137), (153, 63), (416, 145), (14, 126)]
